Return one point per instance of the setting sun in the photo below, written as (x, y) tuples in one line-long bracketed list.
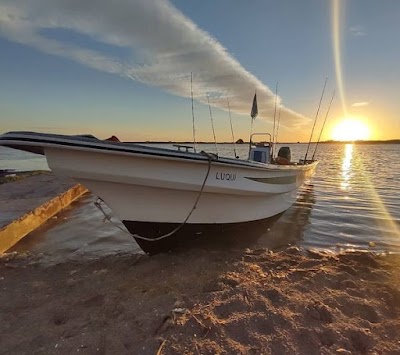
[(350, 129)]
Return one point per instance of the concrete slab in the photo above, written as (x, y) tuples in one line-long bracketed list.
[(26, 204)]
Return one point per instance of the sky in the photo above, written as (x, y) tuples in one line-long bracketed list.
[(124, 67)]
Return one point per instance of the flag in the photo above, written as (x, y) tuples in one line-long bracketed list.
[(254, 109)]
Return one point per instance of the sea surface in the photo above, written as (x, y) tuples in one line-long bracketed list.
[(13, 159), (352, 203)]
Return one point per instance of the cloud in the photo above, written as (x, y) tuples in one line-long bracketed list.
[(358, 31), (360, 104), (166, 46)]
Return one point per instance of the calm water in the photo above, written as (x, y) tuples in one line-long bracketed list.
[(12, 159), (352, 200)]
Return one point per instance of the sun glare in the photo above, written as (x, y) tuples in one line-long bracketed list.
[(350, 129)]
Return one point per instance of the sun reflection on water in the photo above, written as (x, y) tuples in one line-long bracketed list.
[(347, 167)]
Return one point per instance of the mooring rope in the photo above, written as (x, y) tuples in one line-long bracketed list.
[(108, 217)]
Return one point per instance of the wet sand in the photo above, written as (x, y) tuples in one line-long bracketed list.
[(202, 301), (10, 175)]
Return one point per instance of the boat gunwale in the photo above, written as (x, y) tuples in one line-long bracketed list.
[(44, 140)]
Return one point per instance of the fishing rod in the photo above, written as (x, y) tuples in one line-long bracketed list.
[(273, 132), (323, 125), (315, 121), (230, 120), (194, 129), (212, 124)]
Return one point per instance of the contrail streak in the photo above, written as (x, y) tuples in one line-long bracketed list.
[(164, 47)]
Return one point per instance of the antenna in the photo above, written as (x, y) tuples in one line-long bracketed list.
[(323, 125), (230, 120), (194, 129), (277, 129), (273, 132), (316, 116), (212, 124)]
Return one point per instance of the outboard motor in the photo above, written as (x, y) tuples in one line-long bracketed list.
[(284, 156)]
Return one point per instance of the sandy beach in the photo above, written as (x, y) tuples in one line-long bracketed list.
[(202, 301)]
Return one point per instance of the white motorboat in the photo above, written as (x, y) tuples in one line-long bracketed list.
[(158, 193)]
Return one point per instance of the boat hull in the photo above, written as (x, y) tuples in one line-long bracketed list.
[(161, 190), (244, 233)]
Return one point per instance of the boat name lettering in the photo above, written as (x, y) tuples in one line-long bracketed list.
[(225, 176)]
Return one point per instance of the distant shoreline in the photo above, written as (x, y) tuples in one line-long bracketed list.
[(392, 141)]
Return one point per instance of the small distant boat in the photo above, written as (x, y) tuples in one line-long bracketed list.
[(161, 193)]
